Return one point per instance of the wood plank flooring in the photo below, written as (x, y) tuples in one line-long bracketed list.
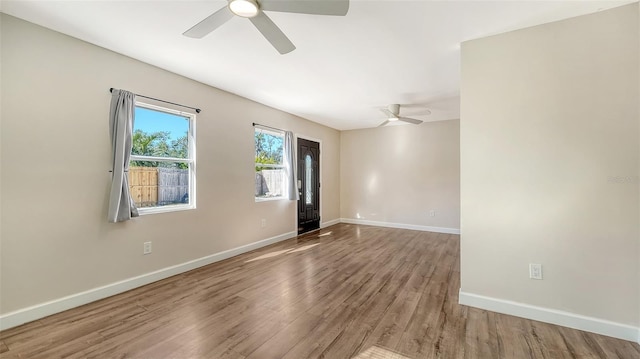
[(346, 291)]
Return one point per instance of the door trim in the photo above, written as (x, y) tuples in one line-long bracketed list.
[(309, 138)]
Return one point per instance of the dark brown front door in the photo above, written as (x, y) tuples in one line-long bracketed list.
[(308, 185)]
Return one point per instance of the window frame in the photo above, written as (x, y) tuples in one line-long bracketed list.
[(272, 132), (190, 161)]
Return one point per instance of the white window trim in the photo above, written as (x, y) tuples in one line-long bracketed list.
[(191, 140), (267, 130), (269, 199), (269, 165), (271, 132)]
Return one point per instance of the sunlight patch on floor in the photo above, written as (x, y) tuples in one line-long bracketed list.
[(269, 255), (304, 248), (376, 352), (286, 251)]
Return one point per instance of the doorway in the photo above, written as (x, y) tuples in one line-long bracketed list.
[(308, 185)]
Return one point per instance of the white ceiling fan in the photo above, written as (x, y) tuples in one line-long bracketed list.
[(254, 11), (393, 114)]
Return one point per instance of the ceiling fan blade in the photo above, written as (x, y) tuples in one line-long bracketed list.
[(384, 123), (410, 120), (388, 113), (315, 7), (272, 33), (210, 23)]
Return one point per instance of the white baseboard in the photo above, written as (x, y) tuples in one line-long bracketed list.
[(329, 223), (42, 310), (401, 226), (558, 317)]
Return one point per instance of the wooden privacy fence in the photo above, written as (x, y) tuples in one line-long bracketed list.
[(158, 186), (173, 186), (143, 184)]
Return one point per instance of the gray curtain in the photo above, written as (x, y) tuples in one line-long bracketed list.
[(121, 116), (289, 161)]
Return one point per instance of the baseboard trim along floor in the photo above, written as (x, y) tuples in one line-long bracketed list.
[(329, 223), (42, 310), (414, 227), (552, 316)]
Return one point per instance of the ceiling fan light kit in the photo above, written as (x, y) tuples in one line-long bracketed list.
[(244, 8), (253, 10)]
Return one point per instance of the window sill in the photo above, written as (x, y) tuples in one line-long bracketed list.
[(165, 209), (268, 199)]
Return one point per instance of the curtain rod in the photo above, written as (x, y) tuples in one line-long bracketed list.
[(273, 128), (157, 99)]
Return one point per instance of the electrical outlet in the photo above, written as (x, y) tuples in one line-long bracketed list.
[(535, 271), (146, 248), (432, 213), (263, 223)]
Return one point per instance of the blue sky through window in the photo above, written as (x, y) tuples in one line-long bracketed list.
[(151, 121)]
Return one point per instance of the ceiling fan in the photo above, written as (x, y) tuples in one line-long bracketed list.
[(393, 114), (254, 11)]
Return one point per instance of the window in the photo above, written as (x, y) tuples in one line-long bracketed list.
[(162, 164), (308, 180), (270, 170)]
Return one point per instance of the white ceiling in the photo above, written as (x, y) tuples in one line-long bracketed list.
[(344, 68)]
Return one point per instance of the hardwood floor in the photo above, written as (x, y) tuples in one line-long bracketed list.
[(346, 291)]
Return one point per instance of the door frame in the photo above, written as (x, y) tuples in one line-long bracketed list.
[(308, 138)]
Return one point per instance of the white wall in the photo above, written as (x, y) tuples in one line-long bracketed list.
[(549, 157), (396, 175), (55, 151)]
